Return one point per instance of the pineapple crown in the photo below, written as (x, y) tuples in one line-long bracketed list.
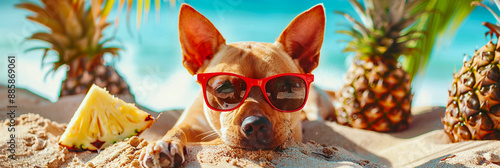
[(380, 32), (74, 32), (410, 28), (494, 29)]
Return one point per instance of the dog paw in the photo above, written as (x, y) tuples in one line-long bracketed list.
[(163, 154)]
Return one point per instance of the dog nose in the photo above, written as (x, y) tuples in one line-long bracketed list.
[(257, 129)]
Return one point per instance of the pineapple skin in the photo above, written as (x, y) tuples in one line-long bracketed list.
[(101, 120), (376, 96), (377, 91), (473, 108), (80, 80)]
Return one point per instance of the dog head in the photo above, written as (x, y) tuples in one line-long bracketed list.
[(254, 124)]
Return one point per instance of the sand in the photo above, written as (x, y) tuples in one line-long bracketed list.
[(39, 123)]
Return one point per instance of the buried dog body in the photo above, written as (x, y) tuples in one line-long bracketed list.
[(252, 92)]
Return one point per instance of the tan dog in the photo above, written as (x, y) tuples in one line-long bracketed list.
[(255, 124)]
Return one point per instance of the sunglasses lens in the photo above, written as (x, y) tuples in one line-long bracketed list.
[(286, 93), (225, 92)]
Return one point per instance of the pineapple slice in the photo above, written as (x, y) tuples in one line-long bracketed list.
[(101, 120)]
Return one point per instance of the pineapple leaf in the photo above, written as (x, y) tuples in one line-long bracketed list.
[(42, 16), (476, 3), (52, 70), (45, 52), (95, 8), (494, 29), (48, 22), (360, 27), (361, 12), (68, 15), (375, 19), (44, 37), (342, 41), (36, 48), (31, 7), (105, 25), (352, 33), (75, 30), (111, 50), (107, 40), (378, 9), (396, 10)]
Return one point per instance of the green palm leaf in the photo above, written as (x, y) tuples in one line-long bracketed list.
[(142, 5), (442, 22)]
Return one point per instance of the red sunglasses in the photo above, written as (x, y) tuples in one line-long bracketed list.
[(227, 91)]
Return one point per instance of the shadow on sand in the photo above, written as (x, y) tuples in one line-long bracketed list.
[(428, 119)]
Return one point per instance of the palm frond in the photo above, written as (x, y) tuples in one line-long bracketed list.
[(147, 6), (120, 7), (139, 13), (143, 6), (445, 20), (108, 5)]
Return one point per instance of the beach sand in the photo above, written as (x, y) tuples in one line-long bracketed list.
[(39, 123)]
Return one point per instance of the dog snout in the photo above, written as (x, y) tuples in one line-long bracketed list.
[(257, 129)]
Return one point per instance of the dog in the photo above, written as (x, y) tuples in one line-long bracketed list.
[(255, 95)]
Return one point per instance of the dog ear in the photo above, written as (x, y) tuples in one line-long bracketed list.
[(199, 38), (303, 37)]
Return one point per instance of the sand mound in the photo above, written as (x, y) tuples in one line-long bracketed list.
[(35, 142), (295, 155), (37, 146)]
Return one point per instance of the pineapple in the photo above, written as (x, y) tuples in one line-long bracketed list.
[(473, 109), (101, 120), (76, 35), (377, 92)]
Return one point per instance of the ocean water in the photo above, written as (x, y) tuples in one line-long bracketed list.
[(151, 60)]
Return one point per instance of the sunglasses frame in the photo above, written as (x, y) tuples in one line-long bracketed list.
[(203, 78)]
